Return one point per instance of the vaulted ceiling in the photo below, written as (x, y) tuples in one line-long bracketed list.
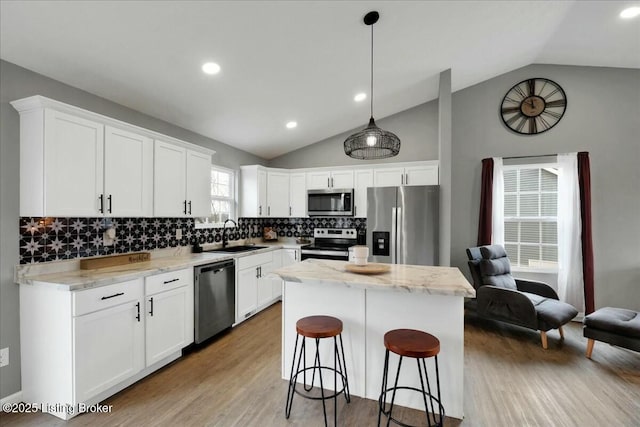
[(302, 61)]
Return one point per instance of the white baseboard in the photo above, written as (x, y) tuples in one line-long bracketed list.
[(12, 398)]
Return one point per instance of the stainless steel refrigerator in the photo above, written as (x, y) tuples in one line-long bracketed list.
[(402, 224)]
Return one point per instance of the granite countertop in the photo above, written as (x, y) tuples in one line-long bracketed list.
[(404, 278), (67, 275)]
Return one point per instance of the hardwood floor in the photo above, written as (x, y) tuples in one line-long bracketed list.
[(509, 381)]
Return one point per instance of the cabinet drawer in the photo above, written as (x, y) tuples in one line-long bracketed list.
[(166, 281), (91, 300), (254, 260)]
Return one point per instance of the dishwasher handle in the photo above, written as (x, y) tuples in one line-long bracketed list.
[(216, 268)]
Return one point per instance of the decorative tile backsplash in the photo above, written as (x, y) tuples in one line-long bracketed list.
[(50, 239)]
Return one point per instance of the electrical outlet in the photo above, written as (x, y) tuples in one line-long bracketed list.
[(4, 357), (178, 233)]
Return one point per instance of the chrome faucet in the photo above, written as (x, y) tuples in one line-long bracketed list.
[(224, 232)]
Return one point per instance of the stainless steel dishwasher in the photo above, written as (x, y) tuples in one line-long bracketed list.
[(215, 298)]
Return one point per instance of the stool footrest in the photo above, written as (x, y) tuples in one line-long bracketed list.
[(387, 414)]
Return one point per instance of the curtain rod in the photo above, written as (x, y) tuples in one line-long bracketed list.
[(529, 157)]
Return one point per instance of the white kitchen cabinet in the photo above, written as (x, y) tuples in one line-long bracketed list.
[(267, 193), (80, 346), (128, 174), (181, 181), (297, 195), (282, 258), (198, 185), (253, 287), (363, 179), (74, 162), (290, 256), (246, 293), (265, 283), (278, 194), (253, 194), (108, 348), (169, 313), (408, 175), (319, 180)]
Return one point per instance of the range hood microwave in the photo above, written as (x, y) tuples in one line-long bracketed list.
[(330, 202)]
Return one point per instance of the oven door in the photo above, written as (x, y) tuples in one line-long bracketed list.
[(336, 255), (331, 202)]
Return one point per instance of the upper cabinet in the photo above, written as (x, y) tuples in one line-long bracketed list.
[(318, 180), (297, 194), (182, 182), (265, 192), (392, 176), (77, 163), (363, 179), (128, 173)]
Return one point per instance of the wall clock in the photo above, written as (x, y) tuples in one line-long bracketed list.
[(533, 106)]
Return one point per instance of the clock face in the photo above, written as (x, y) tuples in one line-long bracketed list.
[(533, 106)]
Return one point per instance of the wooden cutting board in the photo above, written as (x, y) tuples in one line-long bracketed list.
[(369, 268), (110, 261)]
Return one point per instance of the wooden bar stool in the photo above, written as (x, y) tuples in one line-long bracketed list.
[(420, 346), (318, 327)]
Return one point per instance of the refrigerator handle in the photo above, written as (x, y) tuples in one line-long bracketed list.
[(399, 234), (392, 242)]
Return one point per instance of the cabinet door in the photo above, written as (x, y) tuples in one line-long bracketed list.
[(388, 177), (166, 324), (278, 194), (265, 288), (262, 193), (342, 179), (247, 292), (318, 180), (73, 165), (289, 256), (108, 348), (198, 184), (421, 175), (276, 283), (128, 173), (297, 195), (363, 180), (169, 180)]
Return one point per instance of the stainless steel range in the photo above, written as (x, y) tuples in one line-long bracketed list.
[(330, 243)]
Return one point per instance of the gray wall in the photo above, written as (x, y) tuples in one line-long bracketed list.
[(602, 117), (16, 83), (416, 127)]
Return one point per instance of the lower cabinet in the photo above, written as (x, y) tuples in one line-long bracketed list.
[(109, 347), (81, 347), (255, 290), (169, 314)]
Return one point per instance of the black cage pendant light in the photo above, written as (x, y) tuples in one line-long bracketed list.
[(372, 142)]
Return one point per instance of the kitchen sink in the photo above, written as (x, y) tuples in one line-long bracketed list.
[(234, 249)]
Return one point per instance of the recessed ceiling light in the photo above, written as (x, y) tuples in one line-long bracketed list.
[(211, 68), (291, 125), (630, 12), (360, 97)]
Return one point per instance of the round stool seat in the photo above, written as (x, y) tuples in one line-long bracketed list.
[(319, 327), (412, 343)]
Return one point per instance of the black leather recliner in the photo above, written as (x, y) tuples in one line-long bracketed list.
[(499, 296)]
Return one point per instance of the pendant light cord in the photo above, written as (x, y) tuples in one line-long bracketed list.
[(372, 71)]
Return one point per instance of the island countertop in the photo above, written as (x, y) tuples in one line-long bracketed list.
[(400, 277)]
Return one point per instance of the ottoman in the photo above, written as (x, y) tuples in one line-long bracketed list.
[(616, 326)]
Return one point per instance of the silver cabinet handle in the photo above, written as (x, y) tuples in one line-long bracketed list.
[(329, 182), (260, 210), (269, 211), (289, 210), (138, 315), (355, 211), (151, 310), (101, 208), (402, 179), (406, 179)]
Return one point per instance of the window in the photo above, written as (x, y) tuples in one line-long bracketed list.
[(223, 197), (531, 215)]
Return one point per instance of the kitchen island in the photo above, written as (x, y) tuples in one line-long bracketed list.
[(407, 296)]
